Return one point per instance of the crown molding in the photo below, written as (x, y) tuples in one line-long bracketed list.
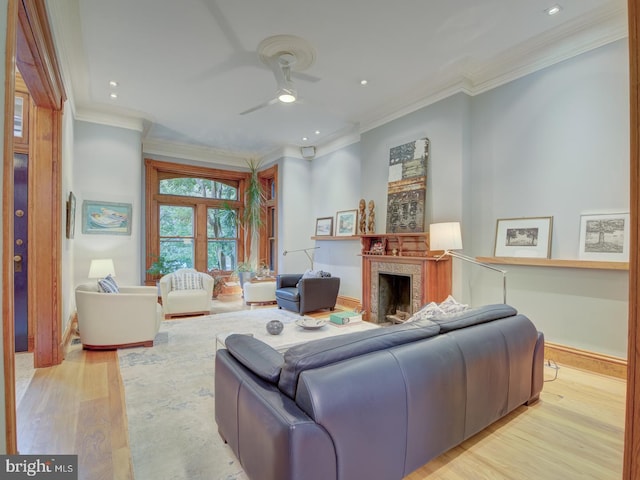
[(602, 27), (109, 119), (194, 152), (562, 43)]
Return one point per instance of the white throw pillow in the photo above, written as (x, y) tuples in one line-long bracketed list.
[(186, 281)]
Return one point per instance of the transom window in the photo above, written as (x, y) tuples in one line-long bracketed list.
[(198, 187)]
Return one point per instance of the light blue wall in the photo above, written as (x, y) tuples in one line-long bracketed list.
[(336, 186), (556, 143)]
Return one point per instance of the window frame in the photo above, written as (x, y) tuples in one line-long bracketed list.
[(154, 172)]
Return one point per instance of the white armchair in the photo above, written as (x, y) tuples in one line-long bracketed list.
[(111, 320), (186, 292)]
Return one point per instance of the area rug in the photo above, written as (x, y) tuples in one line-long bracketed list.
[(169, 399)]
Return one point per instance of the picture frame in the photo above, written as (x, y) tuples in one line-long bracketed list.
[(106, 218), (604, 237), (324, 227), (71, 215), (526, 237), (346, 223)]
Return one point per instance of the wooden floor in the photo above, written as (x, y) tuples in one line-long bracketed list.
[(574, 431)]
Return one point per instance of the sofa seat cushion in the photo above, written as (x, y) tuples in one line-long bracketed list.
[(257, 356), (325, 351), (290, 294), (473, 316), (186, 301)]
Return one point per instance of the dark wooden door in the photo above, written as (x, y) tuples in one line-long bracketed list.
[(20, 199)]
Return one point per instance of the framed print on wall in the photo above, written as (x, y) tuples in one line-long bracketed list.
[(604, 237), (71, 215), (346, 222), (524, 237), (106, 218), (324, 227)]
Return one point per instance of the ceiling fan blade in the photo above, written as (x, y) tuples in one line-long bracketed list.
[(258, 107), (305, 77)]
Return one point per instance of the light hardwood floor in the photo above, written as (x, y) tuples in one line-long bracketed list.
[(574, 431)]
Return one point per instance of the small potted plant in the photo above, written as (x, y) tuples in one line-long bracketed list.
[(245, 271), (161, 266)]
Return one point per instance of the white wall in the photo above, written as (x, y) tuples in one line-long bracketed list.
[(555, 143), (108, 167)]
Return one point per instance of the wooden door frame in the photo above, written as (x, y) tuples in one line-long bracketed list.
[(30, 47), (631, 464)]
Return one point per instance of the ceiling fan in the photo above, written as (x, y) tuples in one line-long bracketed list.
[(283, 54), (286, 91)]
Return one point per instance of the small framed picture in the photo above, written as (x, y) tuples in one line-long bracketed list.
[(524, 237), (346, 223), (604, 237), (324, 227), (106, 218)]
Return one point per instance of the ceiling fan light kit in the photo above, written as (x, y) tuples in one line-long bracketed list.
[(284, 54)]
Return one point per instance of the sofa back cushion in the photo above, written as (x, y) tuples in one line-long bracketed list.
[(330, 350), (473, 316)]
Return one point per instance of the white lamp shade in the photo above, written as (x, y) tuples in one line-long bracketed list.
[(445, 236), (101, 268)]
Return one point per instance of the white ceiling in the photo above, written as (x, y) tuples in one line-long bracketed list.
[(187, 68)]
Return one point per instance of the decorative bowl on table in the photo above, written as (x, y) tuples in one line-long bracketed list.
[(274, 327), (309, 323)]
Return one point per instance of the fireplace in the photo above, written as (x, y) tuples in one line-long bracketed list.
[(405, 276), (394, 296)]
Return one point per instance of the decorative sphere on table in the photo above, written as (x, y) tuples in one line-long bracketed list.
[(274, 327)]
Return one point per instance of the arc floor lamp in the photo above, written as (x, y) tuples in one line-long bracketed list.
[(447, 236)]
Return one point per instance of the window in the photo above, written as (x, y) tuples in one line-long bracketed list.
[(192, 216), (177, 235)]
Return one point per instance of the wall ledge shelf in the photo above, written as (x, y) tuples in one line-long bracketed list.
[(332, 237), (553, 262)]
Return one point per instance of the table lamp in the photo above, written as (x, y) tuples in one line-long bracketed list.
[(100, 268)]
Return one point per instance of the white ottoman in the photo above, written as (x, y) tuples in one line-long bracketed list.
[(259, 292)]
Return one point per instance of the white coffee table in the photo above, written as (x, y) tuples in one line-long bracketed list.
[(292, 334)]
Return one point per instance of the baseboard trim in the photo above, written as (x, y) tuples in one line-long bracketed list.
[(586, 360), (349, 303), (68, 333)]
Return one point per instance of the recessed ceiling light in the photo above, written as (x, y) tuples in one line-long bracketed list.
[(363, 82), (113, 95), (553, 10), (113, 83), (304, 139), (317, 132)]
